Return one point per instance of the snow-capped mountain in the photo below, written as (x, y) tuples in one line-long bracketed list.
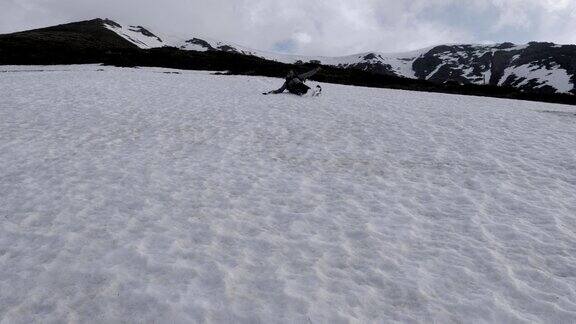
[(543, 67), (145, 39)]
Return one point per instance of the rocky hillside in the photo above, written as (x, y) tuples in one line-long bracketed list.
[(543, 67), (74, 43)]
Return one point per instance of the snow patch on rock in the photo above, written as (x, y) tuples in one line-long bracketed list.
[(553, 76), (136, 35)]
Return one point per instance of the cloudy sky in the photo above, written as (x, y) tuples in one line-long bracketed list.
[(318, 27)]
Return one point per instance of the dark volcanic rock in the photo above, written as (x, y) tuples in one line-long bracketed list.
[(144, 31), (202, 43), (425, 65), (506, 45), (500, 61), (370, 56), (228, 48), (112, 23), (206, 45), (379, 68)]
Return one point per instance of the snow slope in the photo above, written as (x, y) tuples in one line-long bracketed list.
[(151, 195)]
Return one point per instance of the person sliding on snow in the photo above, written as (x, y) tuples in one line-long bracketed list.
[(295, 83)]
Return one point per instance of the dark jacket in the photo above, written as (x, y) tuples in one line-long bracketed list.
[(295, 83)]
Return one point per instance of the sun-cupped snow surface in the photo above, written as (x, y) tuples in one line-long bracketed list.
[(163, 196)]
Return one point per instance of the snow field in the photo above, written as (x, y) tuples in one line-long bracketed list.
[(131, 195)]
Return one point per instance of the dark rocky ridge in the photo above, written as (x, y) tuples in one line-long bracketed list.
[(144, 31), (74, 43), (486, 64), (202, 43)]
